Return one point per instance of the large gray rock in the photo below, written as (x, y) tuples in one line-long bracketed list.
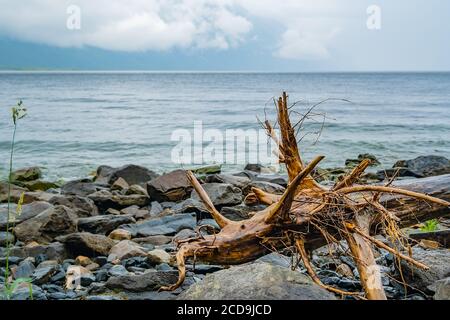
[(87, 244), (132, 174), (104, 200), (47, 225), (240, 182), (16, 192), (266, 186), (126, 249), (28, 211), (53, 251), (426, 166), (172, 186), (442, 289), (437, 259), (80, 187), (167, 225), (28, 291), (5, 238), (83, 206), (221, 194), (103, 224), (149, 281), (260, 281)]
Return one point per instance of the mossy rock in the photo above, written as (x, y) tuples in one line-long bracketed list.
[(26, 174)]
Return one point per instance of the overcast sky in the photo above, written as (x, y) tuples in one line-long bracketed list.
[(258, 35)]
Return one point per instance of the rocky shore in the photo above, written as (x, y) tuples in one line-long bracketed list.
[(113, 236)]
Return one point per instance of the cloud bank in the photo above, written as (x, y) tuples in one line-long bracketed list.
[(309, 26)]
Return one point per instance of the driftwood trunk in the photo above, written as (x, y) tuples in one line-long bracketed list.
[(308, 216)]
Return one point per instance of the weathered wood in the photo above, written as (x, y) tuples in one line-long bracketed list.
[(317, 214)]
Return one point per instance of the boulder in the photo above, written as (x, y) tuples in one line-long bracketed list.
[(136, 212), (16, 192), (26, 174), (47, 225), (426, 166), (5, 238), (240, 182), (42, 274), (39, 185), (120, 234), (437, 259), (266, 186), (136, 189), (279, 179), (126, 249), (239, 212), (354, 162), (80, 187), (149, 281), (53, 251), (103, 174), (105, 200), (24, 270), (158, 256), (87, 244), (132, 174), (221, 194), (442, 291), (120, 184), (28, 291), (28, 211), (172, 186), (34, 196), (255, 167), (209, 169), (103, 224), (167, 225), (83, 206), (258, 281), (157, 240)]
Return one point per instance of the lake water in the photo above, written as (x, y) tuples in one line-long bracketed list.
[(79, 120)]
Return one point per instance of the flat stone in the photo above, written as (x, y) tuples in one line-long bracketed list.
[(80, 187), (47, 225), (438, 260), (120, 184), (103, 224), (54, 251), (105, 200), (149, 281), (83, 206), (126, 249), (260, 281), (5, 238), (221, 194), (167, 225), (24, 270), (132, 174), (120, 234), (442, 291), (158, 256), (172, 186), (28, 211), (240, 182), (26, 174), (87, 244), (43, 274)]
